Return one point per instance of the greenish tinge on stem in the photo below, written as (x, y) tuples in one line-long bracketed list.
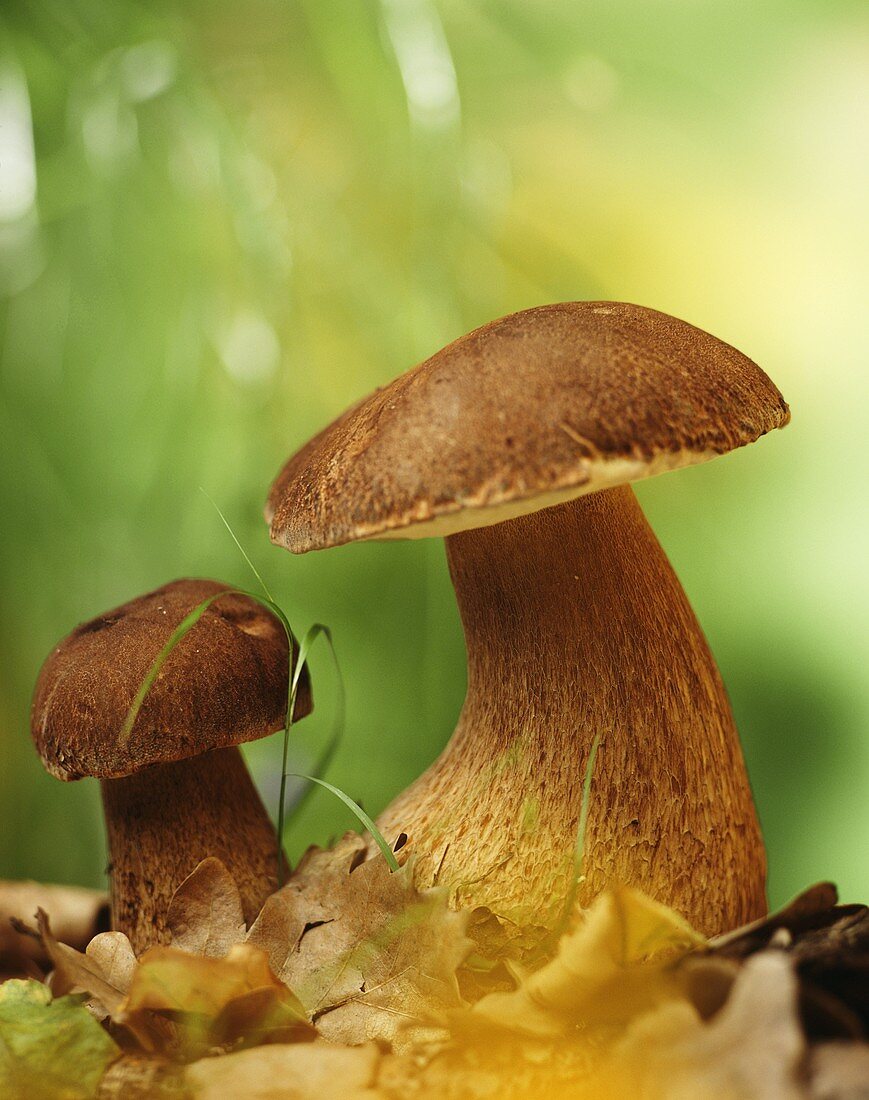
[(579, 849)]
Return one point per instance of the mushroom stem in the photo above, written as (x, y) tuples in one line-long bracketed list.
[(576, 625), (162, 821)]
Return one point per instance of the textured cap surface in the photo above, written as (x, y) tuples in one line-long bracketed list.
[(522, 413), (224, 683)]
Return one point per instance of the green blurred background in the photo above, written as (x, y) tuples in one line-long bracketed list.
[(220, 223)]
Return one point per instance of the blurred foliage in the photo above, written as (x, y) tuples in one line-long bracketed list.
[(220, 223)]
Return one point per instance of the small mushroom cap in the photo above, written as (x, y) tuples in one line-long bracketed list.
[(224, 683), (522, 414)]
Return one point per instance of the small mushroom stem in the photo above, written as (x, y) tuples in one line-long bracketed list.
[(162, 821), (577, 626)]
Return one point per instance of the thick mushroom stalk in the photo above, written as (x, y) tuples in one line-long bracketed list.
[(510, 443), (161, 822), (576, 625)]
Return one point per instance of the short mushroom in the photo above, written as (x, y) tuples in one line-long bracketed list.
[(176, 789), (517, 442)]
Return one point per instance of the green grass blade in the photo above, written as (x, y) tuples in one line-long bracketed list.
[(187, 623), (312, 634), (366, 821), (327, 755), (295, 672), (237, 542), (579, 848)]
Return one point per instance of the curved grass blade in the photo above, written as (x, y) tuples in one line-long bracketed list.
[(325, 758), (187, 623), (295, 672), (310, 637), (363, 817), (237, 542)]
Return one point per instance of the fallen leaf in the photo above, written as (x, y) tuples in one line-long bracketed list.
[(829, 946), (751, 1050), (112, 954), (75, 972), (311, 1072), (167, 979), (206, 915), (143, 1077), (211, 1002), (77, 915), (50, 1049), (365, 951), (805, 907), (839, 1071), (614, 964)]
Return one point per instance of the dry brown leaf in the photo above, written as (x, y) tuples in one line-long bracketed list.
[(315, 1071), (113, 953), (75, 972), (366, 952), (808, 904), (113, 956), (205, 915)]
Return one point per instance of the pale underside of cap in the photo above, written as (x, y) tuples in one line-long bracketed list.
[(522, 414)]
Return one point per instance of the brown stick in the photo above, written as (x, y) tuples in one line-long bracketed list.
[(576, 625), (162, 821)]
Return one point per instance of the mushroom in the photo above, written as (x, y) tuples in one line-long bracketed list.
[(517, 442), (176, 789)]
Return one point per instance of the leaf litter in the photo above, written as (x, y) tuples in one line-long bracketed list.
[(350, 982)]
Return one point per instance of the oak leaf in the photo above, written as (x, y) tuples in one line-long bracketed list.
[(102, 972), (367, 953), (205, 914)]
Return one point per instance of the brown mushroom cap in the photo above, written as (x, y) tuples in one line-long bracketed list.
[(523, 413), (224, 683)]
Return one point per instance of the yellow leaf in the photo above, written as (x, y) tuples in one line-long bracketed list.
[(609, 968), (50, 1049)]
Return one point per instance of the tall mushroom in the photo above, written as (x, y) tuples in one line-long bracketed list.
[(176, 789), (517, 442)]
